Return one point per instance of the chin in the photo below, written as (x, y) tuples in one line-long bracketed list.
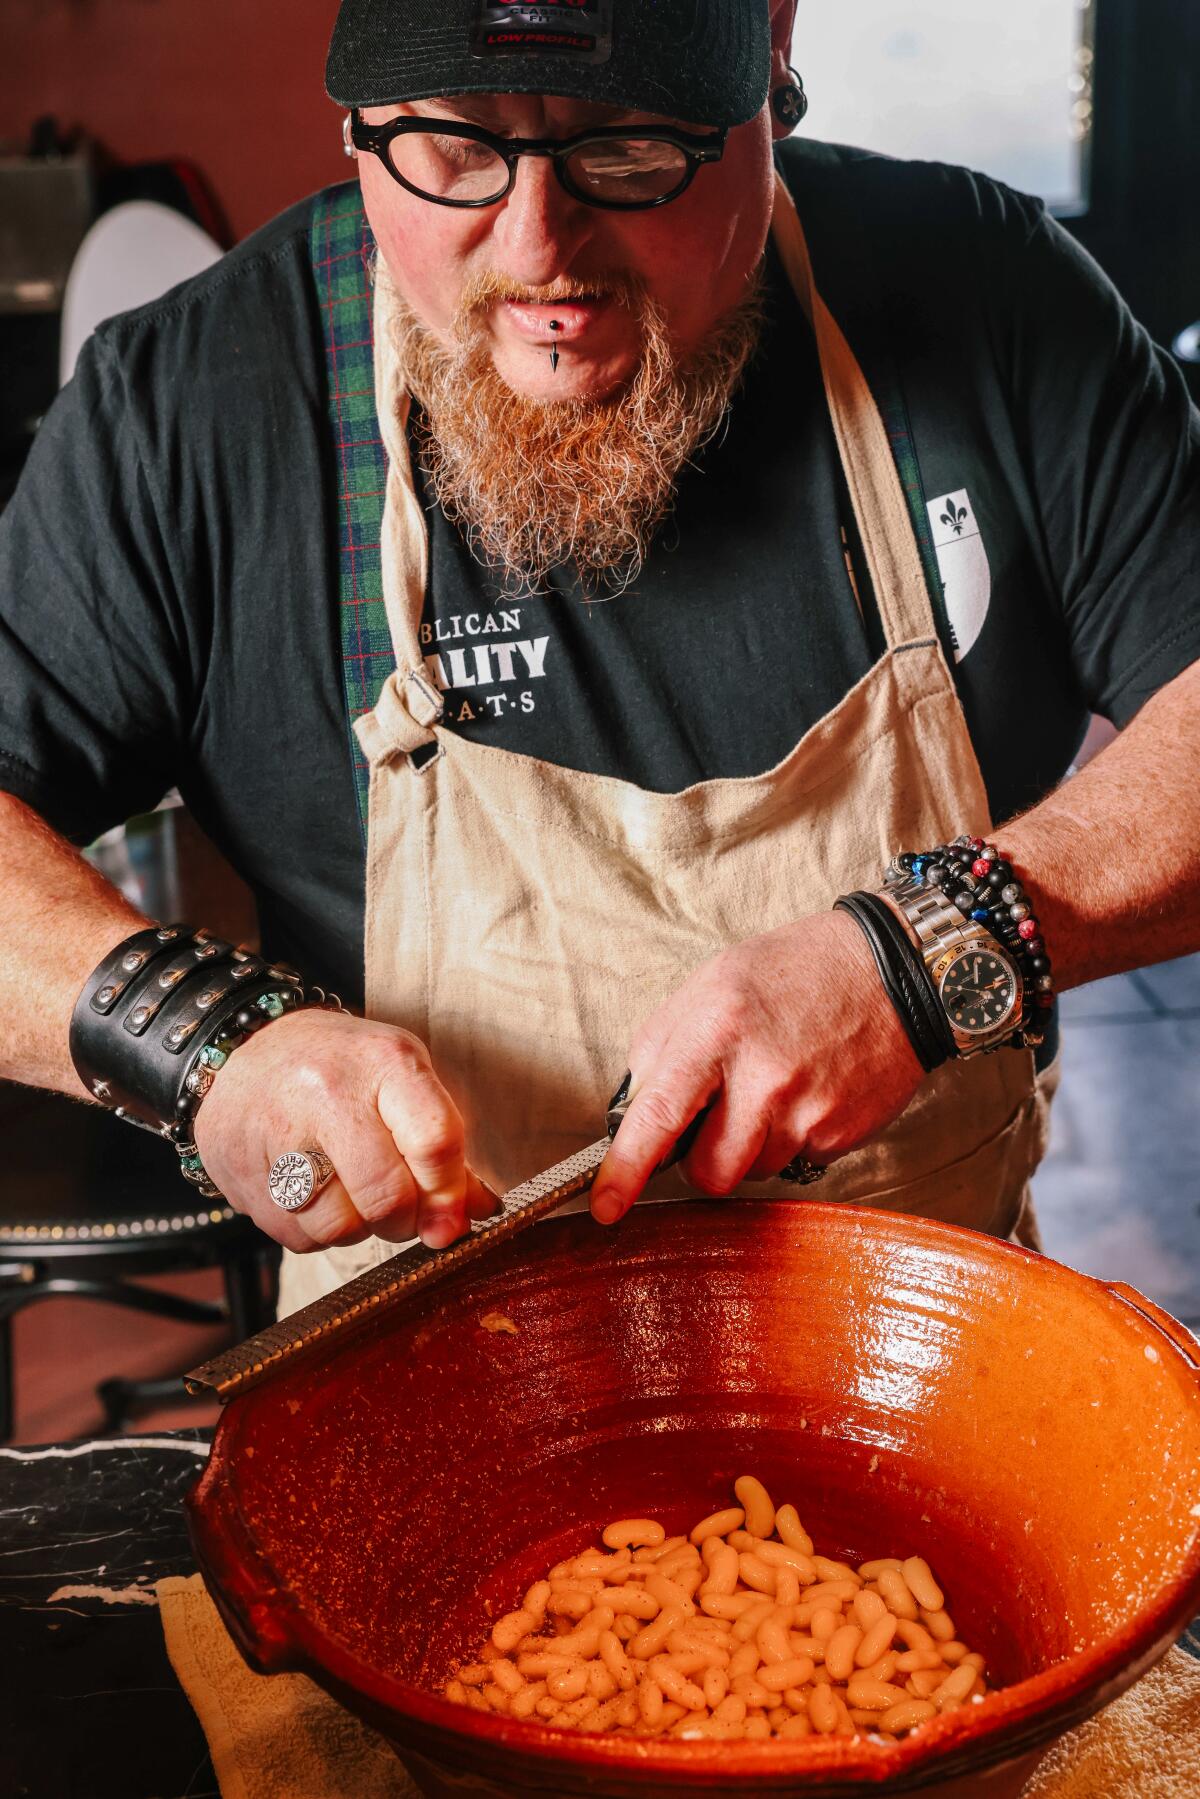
[(529, 375)]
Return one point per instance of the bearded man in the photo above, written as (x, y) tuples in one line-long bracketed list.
[(556, 569)]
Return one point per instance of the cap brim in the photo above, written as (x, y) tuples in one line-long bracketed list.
[(705, 62)]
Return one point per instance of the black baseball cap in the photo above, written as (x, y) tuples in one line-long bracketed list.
[(707, 62)]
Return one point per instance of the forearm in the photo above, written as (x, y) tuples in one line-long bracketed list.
[(58, 918), (1112, 857)]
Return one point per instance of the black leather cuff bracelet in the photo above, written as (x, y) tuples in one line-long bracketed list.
[(149, 1009), (904, 978)]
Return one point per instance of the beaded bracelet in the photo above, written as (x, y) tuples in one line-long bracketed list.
[(980, 881), (213, 1057)]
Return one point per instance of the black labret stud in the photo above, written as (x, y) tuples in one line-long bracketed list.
[(555, 325)]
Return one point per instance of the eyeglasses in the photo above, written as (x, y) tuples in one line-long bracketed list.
[(463, 165)]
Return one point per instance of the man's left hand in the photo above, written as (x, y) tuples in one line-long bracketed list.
[(793, 1037)]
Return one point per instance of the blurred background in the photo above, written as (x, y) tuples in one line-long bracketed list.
[(216, 115)]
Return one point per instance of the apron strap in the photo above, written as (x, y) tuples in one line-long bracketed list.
[(391, 709), (884, 521), (408, 707)]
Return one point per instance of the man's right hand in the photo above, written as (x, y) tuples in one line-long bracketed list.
[(367, 1095)]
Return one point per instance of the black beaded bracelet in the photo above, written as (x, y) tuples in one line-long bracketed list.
[(904, 978), (982, 884)]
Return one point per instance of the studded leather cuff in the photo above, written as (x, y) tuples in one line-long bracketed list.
[(152, 1005)]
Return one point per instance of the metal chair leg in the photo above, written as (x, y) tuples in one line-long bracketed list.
[(244, 1294), (123, 1400)]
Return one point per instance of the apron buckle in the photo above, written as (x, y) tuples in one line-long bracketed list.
[(408, 708), (422, 701)]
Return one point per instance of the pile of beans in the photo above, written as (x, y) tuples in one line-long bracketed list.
[(738, 1630)]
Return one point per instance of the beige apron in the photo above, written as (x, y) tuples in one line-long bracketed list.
[(522, 919)]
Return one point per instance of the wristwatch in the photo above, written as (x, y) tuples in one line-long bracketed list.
[(978, 984)]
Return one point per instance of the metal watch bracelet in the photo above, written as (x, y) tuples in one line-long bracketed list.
[(942, 933)]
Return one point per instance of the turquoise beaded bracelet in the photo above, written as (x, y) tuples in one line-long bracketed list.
[(213, 1057)]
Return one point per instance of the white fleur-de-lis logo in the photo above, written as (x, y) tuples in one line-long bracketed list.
[(963, 564)]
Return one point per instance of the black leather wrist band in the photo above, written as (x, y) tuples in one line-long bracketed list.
[(907, 960), (150, 1007), (909, 957), (904, 978)]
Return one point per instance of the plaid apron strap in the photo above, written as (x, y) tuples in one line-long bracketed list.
[(341, 247)]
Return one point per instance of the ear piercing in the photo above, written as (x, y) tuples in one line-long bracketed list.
[(555, 325), (789, 102)]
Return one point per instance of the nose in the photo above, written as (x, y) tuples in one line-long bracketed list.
[(539, 229)]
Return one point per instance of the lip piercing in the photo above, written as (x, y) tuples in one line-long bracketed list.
[(555, 325)]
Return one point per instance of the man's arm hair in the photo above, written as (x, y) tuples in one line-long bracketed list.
[(58, 919), (1112, 856)]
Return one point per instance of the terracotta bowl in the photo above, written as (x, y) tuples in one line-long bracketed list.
[(911, 1387)]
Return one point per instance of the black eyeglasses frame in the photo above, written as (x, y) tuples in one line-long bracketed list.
[(376, 138)]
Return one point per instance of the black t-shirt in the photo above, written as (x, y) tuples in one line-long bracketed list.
[(169, 580), (720, 656)]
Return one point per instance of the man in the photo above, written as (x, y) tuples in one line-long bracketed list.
[(603, 511)]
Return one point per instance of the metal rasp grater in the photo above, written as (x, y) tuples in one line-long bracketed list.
[(414, 1271)]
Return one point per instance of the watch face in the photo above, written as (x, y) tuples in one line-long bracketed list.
[(978, 990)]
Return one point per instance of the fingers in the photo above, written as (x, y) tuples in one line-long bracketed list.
[(377, 1199), (738, 1141), (793, 1131), (428, 1133), (777, 1151), (481, 1201), (374, 1175), (658, 1115), (404, 1168), (731, 1140), (330, 1221)]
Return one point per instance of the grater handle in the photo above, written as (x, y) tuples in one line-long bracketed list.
[(619, 1105)]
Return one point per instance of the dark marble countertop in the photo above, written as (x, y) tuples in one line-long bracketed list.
[(89, 1705)]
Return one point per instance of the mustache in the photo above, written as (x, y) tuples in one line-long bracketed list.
[(489, 288)]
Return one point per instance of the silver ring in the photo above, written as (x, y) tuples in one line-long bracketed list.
[(801, 1172), (297, 1176)]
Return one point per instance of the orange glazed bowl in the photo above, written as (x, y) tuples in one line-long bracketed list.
[(910, 1387)]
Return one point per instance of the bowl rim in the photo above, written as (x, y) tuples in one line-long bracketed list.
[(1011, 1721)]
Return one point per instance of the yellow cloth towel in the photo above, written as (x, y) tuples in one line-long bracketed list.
[(1145, 1745), (281, 1737), (271, 1736)]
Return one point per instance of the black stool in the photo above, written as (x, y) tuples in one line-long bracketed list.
[(87, 1202)]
